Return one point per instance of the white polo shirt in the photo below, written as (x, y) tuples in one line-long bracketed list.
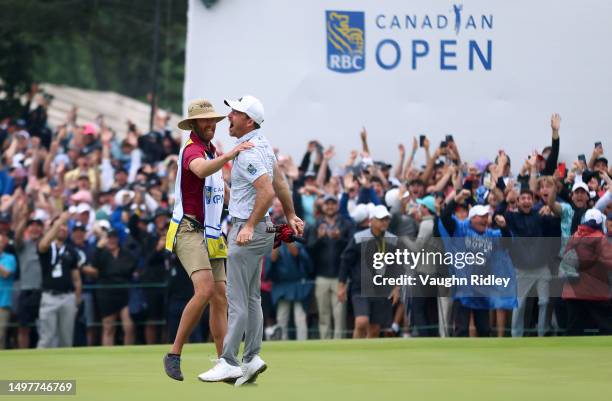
[(248, 166)]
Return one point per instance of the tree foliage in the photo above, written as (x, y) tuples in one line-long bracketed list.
[(93, 44)]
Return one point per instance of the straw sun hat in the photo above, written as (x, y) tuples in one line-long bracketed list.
[(200, 108)]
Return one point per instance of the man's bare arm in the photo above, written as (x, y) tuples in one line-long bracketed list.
[(284, 195), (263, 199), (282, 191)]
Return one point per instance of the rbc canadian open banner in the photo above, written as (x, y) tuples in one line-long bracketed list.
[(489, 72)]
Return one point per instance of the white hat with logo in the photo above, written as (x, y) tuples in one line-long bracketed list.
[(380, 212), (360, 213), (249, 105), (478, 210), (595, 215), (580, 185)]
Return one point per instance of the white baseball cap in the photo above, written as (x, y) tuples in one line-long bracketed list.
[(478, 210), (82, 208), (379, 212), (360, 213), (249, 105), (580, 185), (392, 199), (594, 214)]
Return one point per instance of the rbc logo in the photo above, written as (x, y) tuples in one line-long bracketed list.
[(345, 41)]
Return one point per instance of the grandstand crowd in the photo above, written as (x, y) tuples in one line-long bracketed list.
[(84, 213)]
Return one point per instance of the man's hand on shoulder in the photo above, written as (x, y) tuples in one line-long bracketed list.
[(239, 148)]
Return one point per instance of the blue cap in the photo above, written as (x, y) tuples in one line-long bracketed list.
[(429, 202)]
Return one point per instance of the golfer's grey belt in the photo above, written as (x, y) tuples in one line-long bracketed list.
[(235, 220)]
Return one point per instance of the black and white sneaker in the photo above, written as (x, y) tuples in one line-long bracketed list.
[(172, 365)]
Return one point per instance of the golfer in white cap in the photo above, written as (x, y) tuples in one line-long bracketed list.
[(255, 179)]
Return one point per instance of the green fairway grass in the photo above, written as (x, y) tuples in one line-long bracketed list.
[(374, 370)]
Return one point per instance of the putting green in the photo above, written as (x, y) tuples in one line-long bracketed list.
[(372, 370)]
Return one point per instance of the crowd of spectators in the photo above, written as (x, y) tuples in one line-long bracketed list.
[(84, 212)]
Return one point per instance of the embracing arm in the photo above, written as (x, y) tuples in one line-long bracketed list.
[(204, 167)]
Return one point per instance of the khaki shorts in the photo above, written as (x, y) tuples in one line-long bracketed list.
[(191, 250)]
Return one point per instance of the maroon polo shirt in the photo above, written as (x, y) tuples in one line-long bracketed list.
[(192, 187)]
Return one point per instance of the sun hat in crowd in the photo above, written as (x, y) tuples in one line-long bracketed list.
[(478, 210), (380, 212), (249, 105), (200, 108), (429, 202)]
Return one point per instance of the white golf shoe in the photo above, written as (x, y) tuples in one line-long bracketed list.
[(221, 372), (251, 370)]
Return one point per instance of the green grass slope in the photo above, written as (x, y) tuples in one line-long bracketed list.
[(374, 370)]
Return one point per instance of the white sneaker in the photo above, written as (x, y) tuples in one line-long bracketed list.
[(222, 371), (251, 370)]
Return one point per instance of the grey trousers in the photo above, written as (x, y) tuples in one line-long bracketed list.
[(245, 316), (56, 320), (283, 312), (445, 311), (526, 280), (326, 293)]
